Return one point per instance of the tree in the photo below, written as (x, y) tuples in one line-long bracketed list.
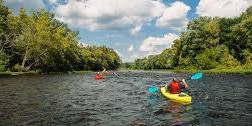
[(4, 29), (242, 36), (99, 58), (211, 58)]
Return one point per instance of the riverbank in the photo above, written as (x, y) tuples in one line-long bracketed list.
[(81, 72), (246, 69), (234, 70), (8, 73)]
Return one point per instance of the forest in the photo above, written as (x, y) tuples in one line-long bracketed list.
[(207, 43), (37, 41)]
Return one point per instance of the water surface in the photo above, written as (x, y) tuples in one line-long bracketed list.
[(78, 99)]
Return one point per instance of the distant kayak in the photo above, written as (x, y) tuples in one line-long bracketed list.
[(98, 76), (181, 97)]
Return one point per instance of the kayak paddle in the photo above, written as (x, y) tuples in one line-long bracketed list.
[(153, 89), (196, 76)]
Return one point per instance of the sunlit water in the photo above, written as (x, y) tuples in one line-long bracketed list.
[(78, 99)]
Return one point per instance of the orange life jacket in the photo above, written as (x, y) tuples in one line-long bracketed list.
[(175, 88), (98, 76)]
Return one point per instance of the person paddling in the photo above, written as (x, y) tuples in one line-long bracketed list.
[(176, 86), (99, 75)]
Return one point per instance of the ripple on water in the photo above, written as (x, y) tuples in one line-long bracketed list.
[(76, 99)]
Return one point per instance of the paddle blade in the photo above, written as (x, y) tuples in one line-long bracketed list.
[(197, 76), (104, 70), (153, 89)]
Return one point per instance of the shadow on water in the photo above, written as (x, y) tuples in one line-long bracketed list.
[(77, 99)]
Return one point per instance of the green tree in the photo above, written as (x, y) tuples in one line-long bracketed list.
[(242, 36), (99, 58), (5, 38)]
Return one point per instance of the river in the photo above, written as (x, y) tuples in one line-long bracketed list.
[(79, 99)]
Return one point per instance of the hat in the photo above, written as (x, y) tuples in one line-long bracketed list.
[(174, 79)]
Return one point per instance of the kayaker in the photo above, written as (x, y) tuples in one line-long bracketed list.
[(176, 86), (98, 75)]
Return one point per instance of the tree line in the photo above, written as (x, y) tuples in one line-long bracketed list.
[(208, 43), (37, 41)]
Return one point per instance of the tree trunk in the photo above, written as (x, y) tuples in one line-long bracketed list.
[(25, 58), (35, 62)]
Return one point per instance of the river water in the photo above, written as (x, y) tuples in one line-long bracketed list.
[(79, 99)]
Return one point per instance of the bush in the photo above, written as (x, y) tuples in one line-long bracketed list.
[(3, 61), (2, 68), (248, 56), (207, 59), (224, 58), (18, 68), (216, 57)]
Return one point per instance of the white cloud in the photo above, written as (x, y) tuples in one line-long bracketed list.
[(130, 57), (109, 14), (155, 45), (130, 48), (174, 17), (28, 4), (133, 57), (135, 30), (82, 44), (52, 1), (222, 8)]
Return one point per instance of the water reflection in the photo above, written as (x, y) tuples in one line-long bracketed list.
[(153, 99), (177, 111)]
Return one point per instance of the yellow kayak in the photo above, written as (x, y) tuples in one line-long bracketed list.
[(181, 97)]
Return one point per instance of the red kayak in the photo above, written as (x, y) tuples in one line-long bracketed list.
[(99, 76)]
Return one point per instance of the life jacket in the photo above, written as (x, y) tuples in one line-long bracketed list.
[(98, 76), (175, 88)]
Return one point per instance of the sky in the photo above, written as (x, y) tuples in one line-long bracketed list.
[(133, 28)]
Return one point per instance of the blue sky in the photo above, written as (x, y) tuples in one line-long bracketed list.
[(134, 28)]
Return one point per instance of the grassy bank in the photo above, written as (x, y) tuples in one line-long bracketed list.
[(82, 72), (244, 69), (17, 73), (8, 73), (234, 70)]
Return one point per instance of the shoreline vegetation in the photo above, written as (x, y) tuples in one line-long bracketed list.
[(9, 73), (17, 73), (236, 70)]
